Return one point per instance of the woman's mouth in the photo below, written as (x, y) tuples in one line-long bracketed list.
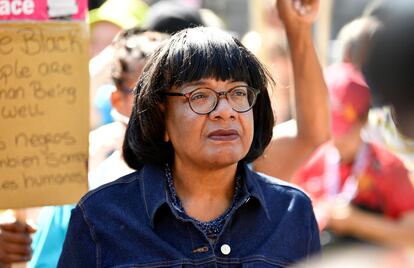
[(224, 135)]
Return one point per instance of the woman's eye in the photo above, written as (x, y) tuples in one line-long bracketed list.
[(198, 96), (239, 92)]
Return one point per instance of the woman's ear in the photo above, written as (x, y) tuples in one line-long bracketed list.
[(166, 136), (162, 107)]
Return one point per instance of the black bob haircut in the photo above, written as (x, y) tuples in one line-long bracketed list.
[(191, 55)]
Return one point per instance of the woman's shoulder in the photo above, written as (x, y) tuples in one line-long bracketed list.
[(124, 185), (280, 198), (276, 188)]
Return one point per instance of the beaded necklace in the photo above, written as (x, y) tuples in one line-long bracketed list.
[(211, 228)]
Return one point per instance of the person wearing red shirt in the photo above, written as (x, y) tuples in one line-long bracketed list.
[(359, 190)]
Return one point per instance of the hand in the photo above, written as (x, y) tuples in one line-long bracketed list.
[(15, 242), (342, 216), (322, 208), (296, 13)]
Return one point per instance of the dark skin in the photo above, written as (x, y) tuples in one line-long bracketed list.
[(15, 241)]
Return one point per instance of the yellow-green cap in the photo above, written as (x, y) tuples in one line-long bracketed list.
[(123, 13)]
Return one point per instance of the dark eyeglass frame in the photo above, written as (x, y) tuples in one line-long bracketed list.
[(126, 90), (218, 95)]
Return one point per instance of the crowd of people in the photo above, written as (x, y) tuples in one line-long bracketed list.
[(187, 166)]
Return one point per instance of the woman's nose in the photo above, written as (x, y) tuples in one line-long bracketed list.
[(223, 109)]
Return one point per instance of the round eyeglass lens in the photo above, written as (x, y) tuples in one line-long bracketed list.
[(241, 98), (203, 100)]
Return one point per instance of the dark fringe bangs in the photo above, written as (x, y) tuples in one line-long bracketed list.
[(226, 60)]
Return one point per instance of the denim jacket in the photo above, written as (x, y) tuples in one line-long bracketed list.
[(130, 223)]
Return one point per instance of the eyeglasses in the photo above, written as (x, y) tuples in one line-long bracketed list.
[(204, 100), (126, 90)]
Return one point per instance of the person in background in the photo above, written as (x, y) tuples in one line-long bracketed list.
[(202, 113), (110, 18), (163, 16), (353, 40), (293, 142), (132, 48), (389, 69), (275, 47), (361, 192), (105, 23), (172, 16)]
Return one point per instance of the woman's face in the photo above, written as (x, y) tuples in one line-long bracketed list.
[(218, 139), (123, 98), (125, 92)]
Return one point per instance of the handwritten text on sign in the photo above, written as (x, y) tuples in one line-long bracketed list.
[(43, 113)]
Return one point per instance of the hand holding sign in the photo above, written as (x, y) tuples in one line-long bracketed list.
[(15, 240)]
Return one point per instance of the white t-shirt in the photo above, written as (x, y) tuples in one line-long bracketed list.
[(105, 153)]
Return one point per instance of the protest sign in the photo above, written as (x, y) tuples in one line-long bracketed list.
[(44, 105), (42, 10)]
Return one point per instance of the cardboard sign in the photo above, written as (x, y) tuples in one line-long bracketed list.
[(44, 125)]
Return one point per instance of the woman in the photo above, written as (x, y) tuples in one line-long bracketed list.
[(131, 50), (202, 111)]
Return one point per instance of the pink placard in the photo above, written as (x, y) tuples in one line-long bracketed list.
[(83, 9), (43, 9)]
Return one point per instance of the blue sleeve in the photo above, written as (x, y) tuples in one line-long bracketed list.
[(314, 243), (79, 249), (52, 224)]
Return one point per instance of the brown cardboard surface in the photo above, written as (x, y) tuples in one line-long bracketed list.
[(44, 123)]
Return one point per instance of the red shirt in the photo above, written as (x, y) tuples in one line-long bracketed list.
[(382, 182)]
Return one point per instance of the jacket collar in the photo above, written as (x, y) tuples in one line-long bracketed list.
[(153, 188), (253, 188)]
